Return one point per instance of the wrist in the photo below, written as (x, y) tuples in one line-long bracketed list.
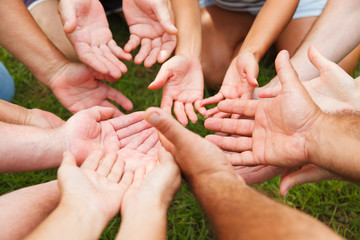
[(253, 51), (137, 208)]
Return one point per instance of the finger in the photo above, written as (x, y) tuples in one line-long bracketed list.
[(244, 158), (199, 108), (222, 115), (150, 166), (108, 104), (233, 144), (133, 129), (307, 174), (133, 43), (92, 60), (103, 54), (106, 164), (286, 72), (179, 111), (149, 143), (168, 127), (116, 171), (139, 176), (212, 100), (92, 161), (116, 68), (99, 113), (258, 174), (118, 52), (68, 159), (168, 46), (144, 51), (67, 12), (119, 98), (126, 180), (136, 140), (161, 78), (242, 107), (125, 121), (189, 110), (252, 71), (242, 127), (269, 92), (162, 12), (154, 151), (155, 49), (235, 116), (211, 112), (166, 103)]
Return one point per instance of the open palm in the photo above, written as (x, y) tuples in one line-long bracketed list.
[(76, 88), (151, 26), (183, 83), (87, 28), (235, 85)]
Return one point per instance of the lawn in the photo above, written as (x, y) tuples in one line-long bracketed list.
[(333, 202)]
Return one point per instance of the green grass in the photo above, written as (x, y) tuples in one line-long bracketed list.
[(334, 203)]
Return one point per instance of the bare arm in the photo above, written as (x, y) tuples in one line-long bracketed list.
[(234, 209)]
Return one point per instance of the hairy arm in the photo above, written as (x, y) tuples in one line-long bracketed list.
[(333, 144)]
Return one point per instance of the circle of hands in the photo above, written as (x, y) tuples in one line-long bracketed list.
[(255, 135)]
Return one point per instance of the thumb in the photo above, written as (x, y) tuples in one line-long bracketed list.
[(163, 13), (252, 71), (67, 11), (161, 78), (68, 159), (169, 128), (318, 60), (286, 72), (100, 113)]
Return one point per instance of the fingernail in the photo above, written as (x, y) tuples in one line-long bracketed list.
[(255, 81), (154, 118), (285, 193)]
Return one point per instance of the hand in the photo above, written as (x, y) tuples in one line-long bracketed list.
[(43, 119), (92, 129), (183, 83), (87, 28), (281, 124), (100, 183), (150, 22), (232, 146), (76, 88), (140, 149), (239, 82), (195, 156), (156, 184)]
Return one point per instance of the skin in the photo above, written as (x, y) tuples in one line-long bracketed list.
[(210, 175), (152, 192), (87, 29), (90, 194), (302, 132), (151, 26), (15, 114), (83, 133), (321, 36), (240, 77), (181, 77), (73, 84), (334, 92)]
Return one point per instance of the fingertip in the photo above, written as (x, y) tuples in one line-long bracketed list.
[(152, 115)]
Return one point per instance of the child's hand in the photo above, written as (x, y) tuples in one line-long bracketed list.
[(239, 82), (100, 183), (154, 186), (183, 83)]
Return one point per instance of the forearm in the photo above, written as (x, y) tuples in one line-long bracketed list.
[(239, 212), (24, 209), (333, 144), (188, 23), (25, 148), (146, 221), (333, 34), (70, 221), (269, 23), (22, 37)]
